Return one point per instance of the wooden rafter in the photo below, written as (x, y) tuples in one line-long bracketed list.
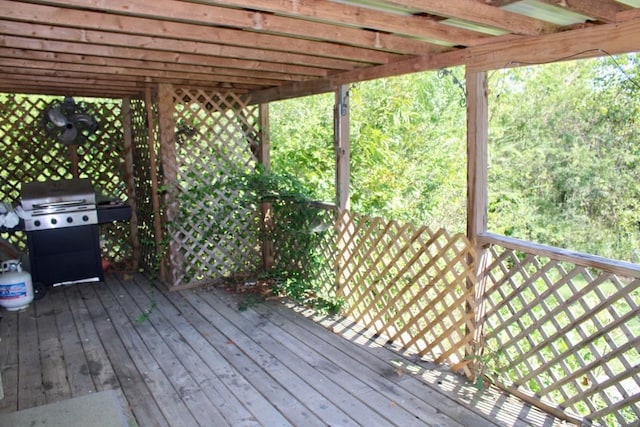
[(275, 48), (472, 11), (408, 25), (604, 10), (75, 18)]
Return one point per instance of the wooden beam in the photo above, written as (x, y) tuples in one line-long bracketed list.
[(258, 58), (266, 208), (53, 90), (143, 73), (329, 84), (204, 63), (588, 42), (254, 21), (29, 75), (342, 147), (477, 153), (477, 201), (48, 15), (82, 81), (83, 56), (169, 158), (155, 197), (127, 133), (363, 17), (601, 10), (472, 11)]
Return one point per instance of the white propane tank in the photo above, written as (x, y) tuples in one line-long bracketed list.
[(16, 289)]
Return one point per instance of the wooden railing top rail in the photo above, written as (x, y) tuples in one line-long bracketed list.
[(621, 268)]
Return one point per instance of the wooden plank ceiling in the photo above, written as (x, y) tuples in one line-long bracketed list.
[(275, 49)]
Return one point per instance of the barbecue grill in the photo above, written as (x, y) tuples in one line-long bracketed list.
[(61, 224)]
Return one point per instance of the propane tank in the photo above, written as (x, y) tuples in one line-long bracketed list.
[(16, 289)]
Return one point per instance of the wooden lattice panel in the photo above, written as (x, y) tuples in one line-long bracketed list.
[(214, 231), (29, 154), (410, 284), (149, 250), (103, 162), (565, 334)]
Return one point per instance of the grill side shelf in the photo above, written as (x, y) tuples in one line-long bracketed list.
[(111, 213)]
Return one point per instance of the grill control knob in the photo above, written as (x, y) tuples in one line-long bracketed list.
[(85, 218), (54, 221), (69, 219), (37, 223)]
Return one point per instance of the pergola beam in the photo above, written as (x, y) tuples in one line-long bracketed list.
[(583, 43), (342, 147)]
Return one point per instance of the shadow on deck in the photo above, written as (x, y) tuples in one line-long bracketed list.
[(198, 360)]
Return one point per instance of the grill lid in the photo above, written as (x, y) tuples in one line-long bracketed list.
[(52, 195)]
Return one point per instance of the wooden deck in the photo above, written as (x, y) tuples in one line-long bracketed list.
[(198, 360)]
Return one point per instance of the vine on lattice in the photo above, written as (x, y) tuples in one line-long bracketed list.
[(216, 232), (149, 249)]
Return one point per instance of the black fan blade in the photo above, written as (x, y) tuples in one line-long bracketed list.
[(56, 116), (68, 137), (85, 123)]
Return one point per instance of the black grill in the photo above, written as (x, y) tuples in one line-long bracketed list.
[(61, 223)]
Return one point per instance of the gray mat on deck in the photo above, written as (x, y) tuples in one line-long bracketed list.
[(93, 410)]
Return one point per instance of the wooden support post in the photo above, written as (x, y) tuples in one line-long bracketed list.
[(75, 160), (343, 172), (169, 158), (127, 130), (155, 197), (266, 209), (477, 192), (341, 144)]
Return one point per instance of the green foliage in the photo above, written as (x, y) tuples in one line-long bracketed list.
[(296, 228), (249, 301), (302, 142), (564, 156), (563, 152), (489, 367), (296, 286), (407, 147)]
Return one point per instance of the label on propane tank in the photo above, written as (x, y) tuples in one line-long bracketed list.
[(14, 290)]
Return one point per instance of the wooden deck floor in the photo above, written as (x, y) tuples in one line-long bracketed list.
[(198, 360)]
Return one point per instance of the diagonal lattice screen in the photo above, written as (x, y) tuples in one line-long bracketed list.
[(29, 154), (215, 232), (410, 284), (570, 335)]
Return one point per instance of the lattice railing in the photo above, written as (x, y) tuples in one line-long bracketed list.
[(566, 333), (304, 237), (216, 232), (411, 284), (29, 154)]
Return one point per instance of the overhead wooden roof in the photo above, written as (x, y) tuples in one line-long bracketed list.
[(274, 49)]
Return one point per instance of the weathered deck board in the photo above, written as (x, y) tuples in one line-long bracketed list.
[(54, 373), (30, 393), (321, 372), (141, 401), (9, 361), (198, 360), (75, 358), (192, 349)]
